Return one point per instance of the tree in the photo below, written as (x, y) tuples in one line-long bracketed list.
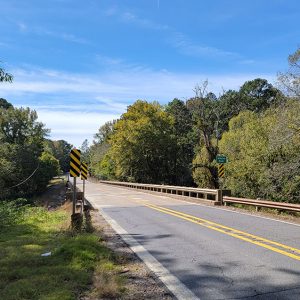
[(4, 76), (5, 104), (100, 163), (21, 144), (264, 153), (142, 144), (48, 168), (257, 95), (204, 109), (85, 152), (60, 150), (290, 81), (104, 132), (212, 115), (184, 142)]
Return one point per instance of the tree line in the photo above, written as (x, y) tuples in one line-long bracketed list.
[(28, 160), (257, 127)]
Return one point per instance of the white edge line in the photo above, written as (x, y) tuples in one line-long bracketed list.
[(175, 286)]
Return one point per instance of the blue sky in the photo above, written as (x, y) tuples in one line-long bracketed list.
[(81, 63)]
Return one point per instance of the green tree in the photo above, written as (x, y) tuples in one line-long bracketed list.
[(205, 114), (142, 144), (85, 152), (263, 151), (60, 150), (21, 144), (48, 168), (5, 104), (101, 165), (212, 115), (184, 142), (104, 132), (257, 95)]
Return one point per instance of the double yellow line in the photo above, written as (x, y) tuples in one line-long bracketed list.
[(247, 237)]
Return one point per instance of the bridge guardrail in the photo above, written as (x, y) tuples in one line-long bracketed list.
[(262, 203), (214, 196)]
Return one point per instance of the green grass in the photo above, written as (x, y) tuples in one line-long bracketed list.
[(67, 273)]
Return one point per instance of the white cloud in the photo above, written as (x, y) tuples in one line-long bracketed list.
[(22, 26), (129, 17), (176, 39), (68, 37), (73, 126), (75, 105), (185, 46)]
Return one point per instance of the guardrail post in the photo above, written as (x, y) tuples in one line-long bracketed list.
[(219, 197)]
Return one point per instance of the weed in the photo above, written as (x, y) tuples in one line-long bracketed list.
[(67, 273)]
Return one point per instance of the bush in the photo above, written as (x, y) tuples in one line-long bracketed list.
[(12, 212)]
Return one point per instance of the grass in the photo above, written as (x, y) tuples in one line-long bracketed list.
[(75, 261)]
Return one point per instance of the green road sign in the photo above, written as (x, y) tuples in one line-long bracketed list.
[(221, 159)]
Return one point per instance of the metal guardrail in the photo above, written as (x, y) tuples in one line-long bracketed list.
[(262, 203), (214, 196)]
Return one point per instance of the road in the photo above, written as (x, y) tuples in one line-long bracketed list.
[(205, 252)]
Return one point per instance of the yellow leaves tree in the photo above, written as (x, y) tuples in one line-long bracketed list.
[(141, 146)]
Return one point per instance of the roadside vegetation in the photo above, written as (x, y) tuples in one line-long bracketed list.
[(256, 127), (71, 261), (28, 160)]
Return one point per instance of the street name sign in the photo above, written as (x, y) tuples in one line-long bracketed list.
[(221, 159)]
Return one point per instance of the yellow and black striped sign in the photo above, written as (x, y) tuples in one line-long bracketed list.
[(84, 170), (221, 170), (75, 163)]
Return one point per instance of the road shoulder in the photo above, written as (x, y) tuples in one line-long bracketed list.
[(141, 283)]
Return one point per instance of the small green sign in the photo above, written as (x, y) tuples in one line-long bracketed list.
[(221, 159)]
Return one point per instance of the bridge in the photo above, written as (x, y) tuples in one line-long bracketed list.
[(201, 251)]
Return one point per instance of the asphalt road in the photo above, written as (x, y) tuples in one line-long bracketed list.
[(213, 253)]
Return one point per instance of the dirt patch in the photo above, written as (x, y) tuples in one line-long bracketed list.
[(54, 196), (140, 282)]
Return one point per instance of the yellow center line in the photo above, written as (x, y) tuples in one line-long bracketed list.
[(253, 239)]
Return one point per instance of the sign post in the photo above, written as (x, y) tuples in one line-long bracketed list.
[(221, 160), (221, 171), (84, 171), (74, 172)]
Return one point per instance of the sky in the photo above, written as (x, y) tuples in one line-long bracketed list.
[(80, 64)]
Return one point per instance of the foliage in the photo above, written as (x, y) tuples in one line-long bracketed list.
[(5, 104), (24, 170), (184, 143), (211, 117), (101, 165), (48, 168), (204, 109), (60, 150), (142, 144), (104, 132), (257, 126), (263, 153), (4, 76), (85, 152), (290, 80)]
